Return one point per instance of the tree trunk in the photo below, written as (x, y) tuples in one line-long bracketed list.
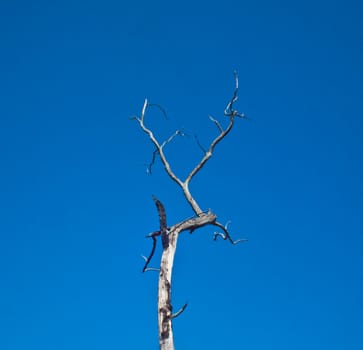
[(164, 292), (169, 240)]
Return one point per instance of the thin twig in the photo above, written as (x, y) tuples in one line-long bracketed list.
[(171, 138), (216, 122), (225, 235), (180, 311), (229, 111), (160, 107), (199, 144), (151, 164)]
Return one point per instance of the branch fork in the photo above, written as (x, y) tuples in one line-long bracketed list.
[(229, 112)]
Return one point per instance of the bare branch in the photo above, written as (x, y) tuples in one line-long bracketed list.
[(152, 269), (209, 153), (144, 110), (216, 122), (149, 268), (151, 164), (156, 151), (180, 311), (229, 111), (157, 145), (171, 138), (225, 235), (193, 219), (199, 144), (147, 260), (155, 269), (160, 107)]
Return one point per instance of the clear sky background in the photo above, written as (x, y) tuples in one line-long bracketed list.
[(75, 202)]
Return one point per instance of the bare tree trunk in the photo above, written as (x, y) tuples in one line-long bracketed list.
[(164, 294), (169, 238)]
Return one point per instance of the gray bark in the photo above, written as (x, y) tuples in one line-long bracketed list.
[(165, 309)]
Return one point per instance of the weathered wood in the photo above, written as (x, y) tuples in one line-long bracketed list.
[(165, 309), (164, 294)]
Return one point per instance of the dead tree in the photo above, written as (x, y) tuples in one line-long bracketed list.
[(169, 234)]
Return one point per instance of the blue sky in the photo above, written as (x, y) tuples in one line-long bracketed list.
[(76, 200)]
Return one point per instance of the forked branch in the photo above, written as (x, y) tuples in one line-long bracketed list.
[(231, 113)]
